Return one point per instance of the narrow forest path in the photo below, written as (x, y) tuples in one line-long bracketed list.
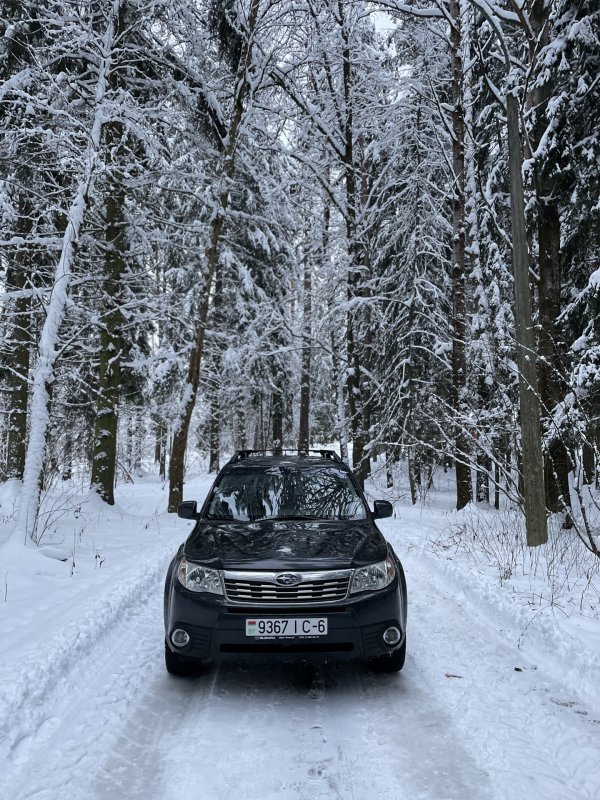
[(459, 723)]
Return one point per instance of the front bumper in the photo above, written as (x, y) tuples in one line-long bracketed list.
[(217, 628)]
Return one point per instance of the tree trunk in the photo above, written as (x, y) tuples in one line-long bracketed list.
[(216, 321), (557, 465), (277, 420), (389, 469), (353, 388), (360, 463), (104, 462), (304, 427), (496, 486), (414, 478), (529, 400), (553, 385), (501, 458), (67, 469), (588, 463), (366, 340), (338, 385), (18, 343), (241, 436), (158, 434), (160, 447), (459, 324), (214, 430), (484, 466), (139, 438), (162, 467), (180, 436)]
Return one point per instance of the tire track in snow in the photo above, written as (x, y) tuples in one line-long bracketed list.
[(24, 696), (301, 732), (256, 732), (79, 715)]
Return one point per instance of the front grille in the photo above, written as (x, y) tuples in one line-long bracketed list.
[(283, 610), (257, 587)]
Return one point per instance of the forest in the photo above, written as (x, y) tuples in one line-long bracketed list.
[(230, 224)]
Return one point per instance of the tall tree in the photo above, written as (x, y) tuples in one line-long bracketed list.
[(115, 265), (244, 89), (459, 258), (43, 375)]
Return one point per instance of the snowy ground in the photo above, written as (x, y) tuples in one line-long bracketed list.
[(499, 698)]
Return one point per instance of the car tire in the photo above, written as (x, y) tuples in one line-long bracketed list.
[(179, 665), (389, 663)]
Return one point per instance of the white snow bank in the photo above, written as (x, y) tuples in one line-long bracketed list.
[(54, 610), (546, 600)]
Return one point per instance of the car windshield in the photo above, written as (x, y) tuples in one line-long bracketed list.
[(286, 492)]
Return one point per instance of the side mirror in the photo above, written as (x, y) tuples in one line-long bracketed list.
[(382, 509), (188, 509)]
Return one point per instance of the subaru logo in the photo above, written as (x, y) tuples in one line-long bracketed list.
[(288, 579)]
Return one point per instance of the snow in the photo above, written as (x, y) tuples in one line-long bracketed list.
[(498, 699)]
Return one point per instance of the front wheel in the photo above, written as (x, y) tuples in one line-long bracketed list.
[(389, 663), (179, 665)]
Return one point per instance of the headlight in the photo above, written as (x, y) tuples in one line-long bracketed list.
[(373, 577), (197, 578)]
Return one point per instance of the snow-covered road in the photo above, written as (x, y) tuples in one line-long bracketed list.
[(460, 723), (123, 728), (488, 707)]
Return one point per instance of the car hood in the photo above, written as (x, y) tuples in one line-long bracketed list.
[(272, 544)]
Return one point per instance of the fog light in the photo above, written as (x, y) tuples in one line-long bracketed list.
[(391, 636), (180, 638)]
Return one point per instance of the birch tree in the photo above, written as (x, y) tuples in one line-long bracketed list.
[(43, 373)]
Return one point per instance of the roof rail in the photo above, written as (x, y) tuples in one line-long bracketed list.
[(240, 454)]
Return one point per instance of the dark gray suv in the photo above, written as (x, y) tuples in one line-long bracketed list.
[(285, 562)]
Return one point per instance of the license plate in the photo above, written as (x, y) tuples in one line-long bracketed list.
[(287, 627)]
